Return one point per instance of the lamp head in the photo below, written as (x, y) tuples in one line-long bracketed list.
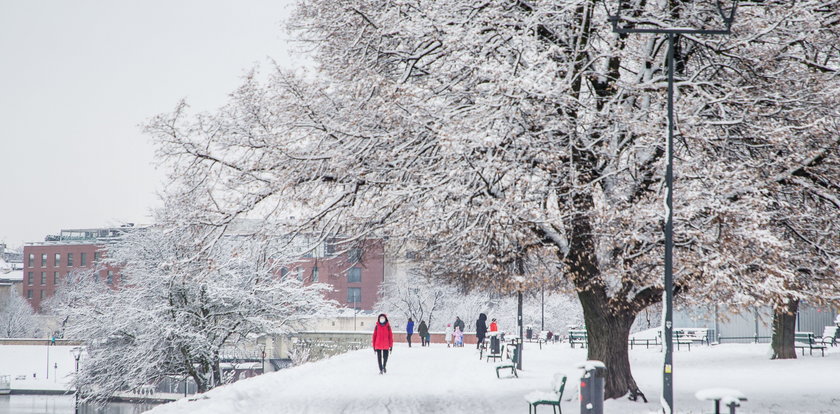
[(77, 352)]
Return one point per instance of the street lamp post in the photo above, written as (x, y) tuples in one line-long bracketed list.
[(77, 353), (519, 321), (668, 317), (262, 353), (542, 308)]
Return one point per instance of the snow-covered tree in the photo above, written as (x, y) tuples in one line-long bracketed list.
[(518, 133), (180, 302), (417, 298), (17, 318)]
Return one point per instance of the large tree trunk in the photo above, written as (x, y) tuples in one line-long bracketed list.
[(608, 332), (784, 328)]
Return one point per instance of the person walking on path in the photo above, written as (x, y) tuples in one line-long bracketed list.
[(423, 330), (383, 342), (459, 324), (409, 330), (448, 336), (459, 337), (480, 329)]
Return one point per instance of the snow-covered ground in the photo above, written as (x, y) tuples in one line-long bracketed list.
[(37, 367), (442, 380)]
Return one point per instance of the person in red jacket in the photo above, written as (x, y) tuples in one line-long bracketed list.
[(383, 342)]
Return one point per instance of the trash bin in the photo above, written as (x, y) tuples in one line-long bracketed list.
[(592, 387), (494, 344)]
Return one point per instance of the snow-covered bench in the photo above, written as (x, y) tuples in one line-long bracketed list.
[(729, 397), (687, 336), (693, 334), (807, 340), (552, 398), (831, 335), (578, 336), (510, 363), (494, 356)]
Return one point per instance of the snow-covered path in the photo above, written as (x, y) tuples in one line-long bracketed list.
[(441, 380)]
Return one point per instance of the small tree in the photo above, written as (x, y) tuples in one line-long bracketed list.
[(17, 318)]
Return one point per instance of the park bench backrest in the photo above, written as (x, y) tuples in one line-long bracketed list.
[(831, 332), (804, 337), (558, 384)]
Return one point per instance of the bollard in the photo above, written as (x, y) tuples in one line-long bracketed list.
[(592, 387)]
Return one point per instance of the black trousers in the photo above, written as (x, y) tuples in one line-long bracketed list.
[(408, 338), (382, 358)]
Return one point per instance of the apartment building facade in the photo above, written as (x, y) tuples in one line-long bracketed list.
[(48, 264)]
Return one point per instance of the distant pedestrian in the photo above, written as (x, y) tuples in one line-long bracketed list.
[(409, 330), (459, 324), (494, 327), (383, 342), (423, 330), (480, 329), (448, 336), (459, 337)]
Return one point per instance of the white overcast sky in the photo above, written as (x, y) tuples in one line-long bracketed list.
[(77, 78)]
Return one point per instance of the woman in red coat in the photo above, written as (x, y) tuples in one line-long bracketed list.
[(383, 342)]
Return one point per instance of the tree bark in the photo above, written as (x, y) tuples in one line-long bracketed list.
[(607, 333), (784, 328)]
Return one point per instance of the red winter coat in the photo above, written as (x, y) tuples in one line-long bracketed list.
[(383, 338), (494, 327)]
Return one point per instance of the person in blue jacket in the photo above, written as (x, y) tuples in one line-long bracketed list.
[(409, 330)]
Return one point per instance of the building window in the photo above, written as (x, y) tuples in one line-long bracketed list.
[(283, 272), (299, 272), (42, 294), (70, 259), (30, 278), (354, 255), (57, 260), (82, 259), (43, 278), (329, 247), (55, 278), (29, 293), (95, 257), (354, 295), (43, 260), (31, 259), (354, 275), (110, 279), (314, 274), (96, 277)]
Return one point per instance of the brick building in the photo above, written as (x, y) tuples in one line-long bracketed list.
[(47, 264), (355, 273)]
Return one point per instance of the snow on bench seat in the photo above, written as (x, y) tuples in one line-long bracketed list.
[(712, 394)]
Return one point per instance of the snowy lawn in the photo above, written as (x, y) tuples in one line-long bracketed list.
[(38, 367), (442, 380)]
